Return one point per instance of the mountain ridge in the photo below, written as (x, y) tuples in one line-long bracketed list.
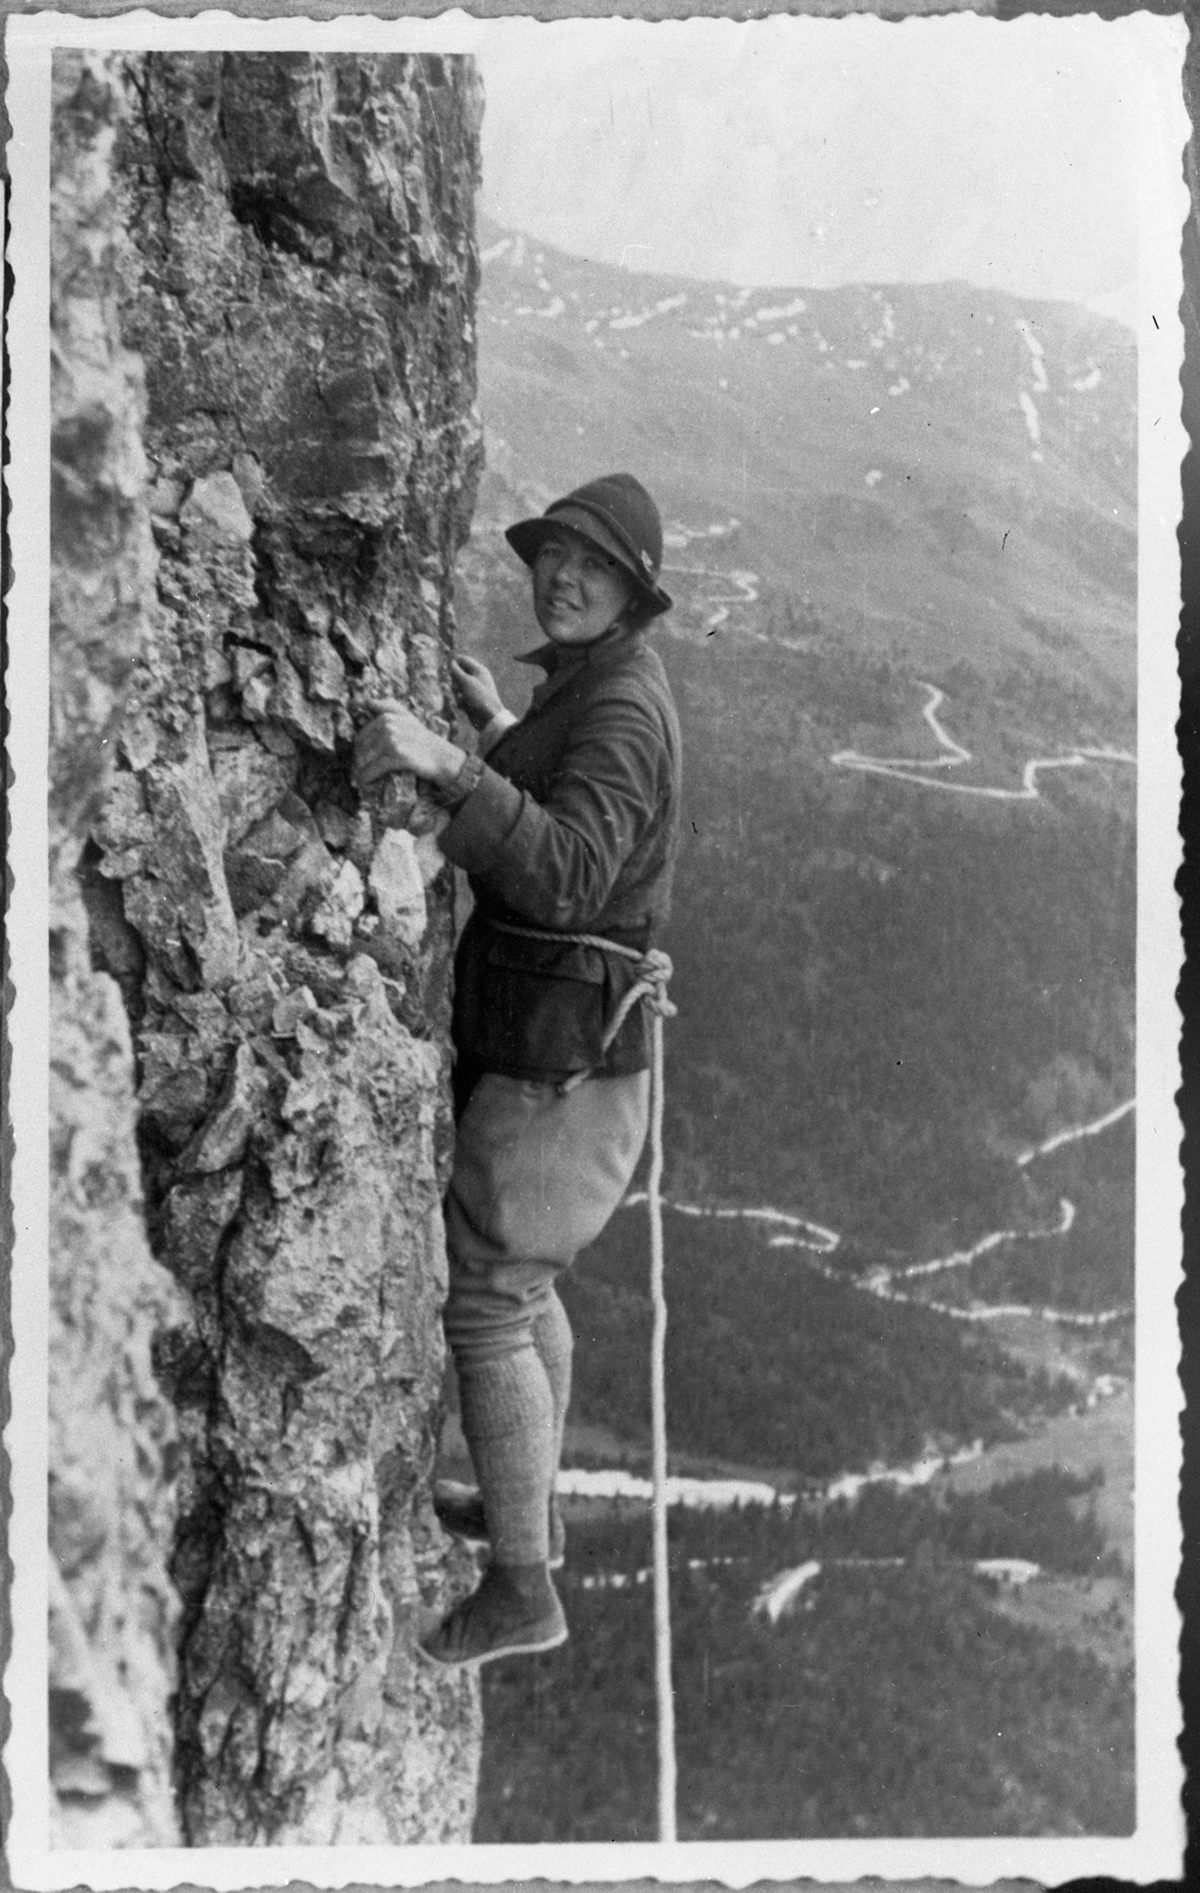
[(904, 964), (903, 931), (1045, 388)]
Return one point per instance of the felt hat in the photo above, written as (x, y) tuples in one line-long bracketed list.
[(615, 513)]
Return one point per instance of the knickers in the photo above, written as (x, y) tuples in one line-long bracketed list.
[(537, 1175)]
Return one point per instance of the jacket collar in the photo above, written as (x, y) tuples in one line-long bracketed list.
[(557, 659)]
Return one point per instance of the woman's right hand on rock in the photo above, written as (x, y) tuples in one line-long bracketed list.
[(475, 688)]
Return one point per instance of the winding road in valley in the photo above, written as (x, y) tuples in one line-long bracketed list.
[(784, 1228), (814, 1235), (787, 1230), (717, 605), (917, 769), (724, 592), (718, 1494), (1069, 1137), (716, 609), (962, 1258)]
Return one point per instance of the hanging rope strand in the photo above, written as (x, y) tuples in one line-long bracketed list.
[(658, 1427), (653, 972)]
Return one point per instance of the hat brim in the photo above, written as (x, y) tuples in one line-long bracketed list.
[(528, 535)]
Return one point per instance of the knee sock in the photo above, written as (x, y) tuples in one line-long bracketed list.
[(508, 1424), (554, 1342)]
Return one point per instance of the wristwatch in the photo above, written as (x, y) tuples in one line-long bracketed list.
[(452, 795)]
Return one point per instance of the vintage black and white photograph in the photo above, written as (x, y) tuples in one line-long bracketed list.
[(593, 661)]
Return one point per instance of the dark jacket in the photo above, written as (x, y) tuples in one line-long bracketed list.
[(573, 828)]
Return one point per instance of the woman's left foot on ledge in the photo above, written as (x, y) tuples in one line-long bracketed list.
[(515, 1612)]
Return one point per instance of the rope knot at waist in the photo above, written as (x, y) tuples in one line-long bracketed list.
[(654, 970)]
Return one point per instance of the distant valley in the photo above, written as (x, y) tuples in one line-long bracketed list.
[(900, 1121), (939, 472), (904, 947)]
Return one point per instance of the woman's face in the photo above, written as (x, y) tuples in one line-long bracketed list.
[(578, 591)]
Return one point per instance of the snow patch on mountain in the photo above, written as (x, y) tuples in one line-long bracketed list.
[(553, 309), (783, 312), (1037, 354)]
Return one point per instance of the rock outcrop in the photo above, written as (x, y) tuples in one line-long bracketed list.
[(299, 282), (112, 1611)]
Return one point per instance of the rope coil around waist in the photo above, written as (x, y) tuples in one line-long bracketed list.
[(654, 970)]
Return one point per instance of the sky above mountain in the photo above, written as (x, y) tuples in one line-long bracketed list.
[(817, 152)]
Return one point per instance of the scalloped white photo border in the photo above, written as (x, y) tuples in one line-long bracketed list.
[(1156, 46)]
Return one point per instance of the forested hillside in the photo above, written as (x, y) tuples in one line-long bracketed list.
[(774, 1365), (897, 1695), (900, 535), (899, 1119)]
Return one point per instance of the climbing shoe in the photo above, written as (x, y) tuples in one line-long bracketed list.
[(460, 1511), (515, 1612)]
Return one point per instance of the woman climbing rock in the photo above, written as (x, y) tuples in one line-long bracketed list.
[(566, 823)]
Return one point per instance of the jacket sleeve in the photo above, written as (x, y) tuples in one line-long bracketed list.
[(556, 861)]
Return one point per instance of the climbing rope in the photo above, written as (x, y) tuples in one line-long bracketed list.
[(653, 972), (658, 1430)]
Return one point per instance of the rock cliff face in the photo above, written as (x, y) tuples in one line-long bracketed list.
[(299, 281), (112, 1612)]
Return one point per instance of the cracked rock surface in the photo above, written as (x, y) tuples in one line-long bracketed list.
[(299, 282), (112, 1608)]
